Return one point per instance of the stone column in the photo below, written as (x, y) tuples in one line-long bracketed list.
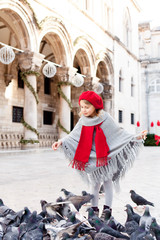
[(30, 61), (64, 75)]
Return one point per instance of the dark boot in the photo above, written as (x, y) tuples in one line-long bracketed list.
[(96, 211), (105, 216)]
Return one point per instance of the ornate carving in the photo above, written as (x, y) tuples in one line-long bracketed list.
[(30, 61)]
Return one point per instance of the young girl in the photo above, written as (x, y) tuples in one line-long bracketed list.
[(100, 149)]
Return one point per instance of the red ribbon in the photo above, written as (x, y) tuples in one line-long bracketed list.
[(157, 138)]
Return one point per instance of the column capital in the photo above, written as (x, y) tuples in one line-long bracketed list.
[(62, 74), (87, 83), (66, 73), (30, 61)]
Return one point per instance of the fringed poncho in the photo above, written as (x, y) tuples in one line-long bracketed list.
[(123, 149)]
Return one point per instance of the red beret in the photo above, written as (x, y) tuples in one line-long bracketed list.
[(93, 98)]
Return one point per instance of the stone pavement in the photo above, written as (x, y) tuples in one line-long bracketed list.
[(27, 176)]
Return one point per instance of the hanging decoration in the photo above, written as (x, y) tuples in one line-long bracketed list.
[(7, 55), (77, 80), (152, 124), (98, 88), (158, 123), (138, 124), (49, 70)]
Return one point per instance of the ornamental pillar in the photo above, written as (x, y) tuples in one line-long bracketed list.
[(30, 63), (64, 89)]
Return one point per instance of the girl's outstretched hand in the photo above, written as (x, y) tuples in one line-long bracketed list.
[(142, 135), (56, 145)]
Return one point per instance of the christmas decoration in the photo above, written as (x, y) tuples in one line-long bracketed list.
[(49, 70), (63, 129), (26, 125), (157, 138), (78, 80), (158, 123), (152, 124), (24, 78), (7, 55), (98, 88), (62, 93), (138, 124)]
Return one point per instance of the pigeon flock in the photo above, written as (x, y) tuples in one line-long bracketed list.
[(62, 220)]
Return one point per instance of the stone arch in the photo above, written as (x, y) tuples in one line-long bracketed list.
[(23, 30), (104, 67), (56, 35), (85, 56), (104, 73)]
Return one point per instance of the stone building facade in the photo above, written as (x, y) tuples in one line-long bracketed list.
[(150, 75), (98, 39)]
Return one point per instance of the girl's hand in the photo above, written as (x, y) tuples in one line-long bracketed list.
[(142, 135), (56, 145)]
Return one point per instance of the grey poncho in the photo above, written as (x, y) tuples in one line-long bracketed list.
[(123, 149)]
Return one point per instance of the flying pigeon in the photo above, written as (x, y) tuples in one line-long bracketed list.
[(139, 200)]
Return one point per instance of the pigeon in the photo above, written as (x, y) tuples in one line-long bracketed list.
[(140, 233), (57, 232), (91, 213), (34, 234), (139, 200), (155, 228), (130, 225), (146, 219), (103, 236), (136, 216), (67, 193), (11, 234), (100, 226), (79, 201), (4, 210)]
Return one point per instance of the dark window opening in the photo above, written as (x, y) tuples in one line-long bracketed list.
[(47, 117), (120, 116), (17, 114), (132, 118), (20, 81), (47, 85), (72, 121)]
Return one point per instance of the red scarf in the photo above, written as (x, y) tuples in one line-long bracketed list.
[(83, 150)]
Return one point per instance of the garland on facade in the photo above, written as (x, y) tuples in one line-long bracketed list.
[(61, 127), (34, 15), (26, 125), (62, 93), (66, 99), (24, 141), (24, 78)]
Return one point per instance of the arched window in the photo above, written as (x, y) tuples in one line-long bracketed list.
[(154, 86), (127, 29)]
